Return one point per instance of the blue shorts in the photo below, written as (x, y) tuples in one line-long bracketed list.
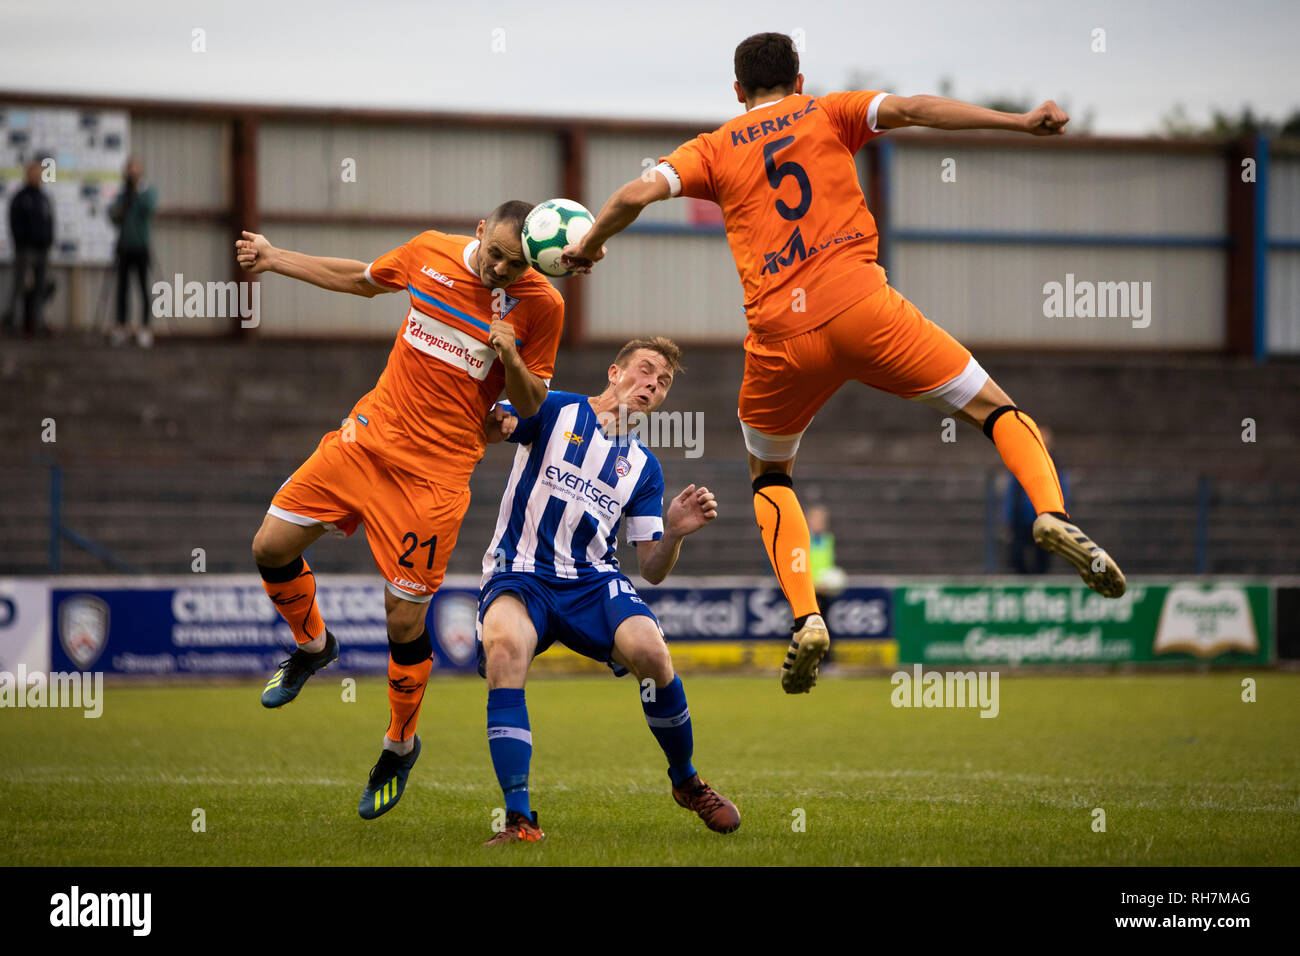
[(581, 614)]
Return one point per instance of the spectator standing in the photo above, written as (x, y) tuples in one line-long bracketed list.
[(132, 212), (31, 224)]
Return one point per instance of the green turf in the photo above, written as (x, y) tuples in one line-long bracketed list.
[(1186, 772)]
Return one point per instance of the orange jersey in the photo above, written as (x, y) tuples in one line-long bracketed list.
[(425, 415), (800, 232)]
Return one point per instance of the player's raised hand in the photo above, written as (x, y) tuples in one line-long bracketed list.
[(1047, 120), (690, 511), (501, 336), (253, 252), (577, 258), (499, 424)]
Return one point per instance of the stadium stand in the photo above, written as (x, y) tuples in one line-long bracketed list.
[(182, 447)]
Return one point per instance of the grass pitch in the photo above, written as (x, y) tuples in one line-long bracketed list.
[(1186, 772)]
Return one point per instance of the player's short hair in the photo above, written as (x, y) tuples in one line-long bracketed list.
[(511, 213), (766, 61), (666, 347)]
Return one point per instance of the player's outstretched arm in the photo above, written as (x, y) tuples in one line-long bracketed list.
[(687, 513), (619, 212), (937, 112), (255, 254)]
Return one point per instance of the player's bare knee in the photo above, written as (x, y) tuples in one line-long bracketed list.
[(641, 646), (761, 466), (506, 658), (405, 621), (503, 648), (266, 553), (657, 664)]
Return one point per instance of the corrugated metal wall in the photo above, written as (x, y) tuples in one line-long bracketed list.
[(398, 172), (1284, 264), (988, 289), (187, 161), (674, 282), (1149, 214), (293, 308), (401, 170)]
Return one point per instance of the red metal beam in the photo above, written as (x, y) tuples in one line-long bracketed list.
[(243, 197), (1239, 309), (333, 114), (573, 157)]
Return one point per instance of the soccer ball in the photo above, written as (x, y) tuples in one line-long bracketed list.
[(550, 227)]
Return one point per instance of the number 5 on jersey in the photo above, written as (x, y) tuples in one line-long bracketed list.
[(777, 174)]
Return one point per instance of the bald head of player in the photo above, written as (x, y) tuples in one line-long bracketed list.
[(767, 67), (499, 258)]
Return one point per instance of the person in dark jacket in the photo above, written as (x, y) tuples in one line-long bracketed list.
[(31, 223), (132, 212)]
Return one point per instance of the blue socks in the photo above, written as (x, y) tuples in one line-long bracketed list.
[(511, 744), (510, 741), (670, 722)]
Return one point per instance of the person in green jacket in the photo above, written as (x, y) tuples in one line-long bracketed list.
[(828, 578), (132, 212)]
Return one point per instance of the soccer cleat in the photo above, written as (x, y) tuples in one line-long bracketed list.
[(808, 646), (518, 829), (1097, 568), (718, 813), (387, 781), (285, 684)]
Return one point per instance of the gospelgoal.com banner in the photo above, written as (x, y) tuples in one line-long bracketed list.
[(1182, 622)]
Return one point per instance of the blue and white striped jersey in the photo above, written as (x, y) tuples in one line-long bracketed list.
[(569, 488)]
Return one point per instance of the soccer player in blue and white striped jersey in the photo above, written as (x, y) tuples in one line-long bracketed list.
[(551, 574)]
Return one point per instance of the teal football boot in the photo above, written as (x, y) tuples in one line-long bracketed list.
[(285, 684), (387, 781)]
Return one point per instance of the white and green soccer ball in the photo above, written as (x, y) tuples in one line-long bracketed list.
[(550, 227)]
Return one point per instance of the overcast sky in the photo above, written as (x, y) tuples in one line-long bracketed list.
[(664, 59)]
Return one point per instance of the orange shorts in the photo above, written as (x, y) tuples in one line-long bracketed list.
[(882, 340), (411, 522)]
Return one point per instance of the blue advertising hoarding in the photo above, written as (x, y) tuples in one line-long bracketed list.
[(226, 625)]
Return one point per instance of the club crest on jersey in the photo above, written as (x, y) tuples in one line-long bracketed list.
[(573, 439), (622, 467), (83, 628), (502, 302)]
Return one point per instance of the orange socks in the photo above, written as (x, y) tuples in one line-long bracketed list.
[(785, 536), (1025, 455), (408, 672), (292, 589)]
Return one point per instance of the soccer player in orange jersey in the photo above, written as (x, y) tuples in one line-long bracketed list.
[(819, 308), (478, 320)]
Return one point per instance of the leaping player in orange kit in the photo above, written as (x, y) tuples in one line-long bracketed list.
[(477, 320), (819, 308)]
